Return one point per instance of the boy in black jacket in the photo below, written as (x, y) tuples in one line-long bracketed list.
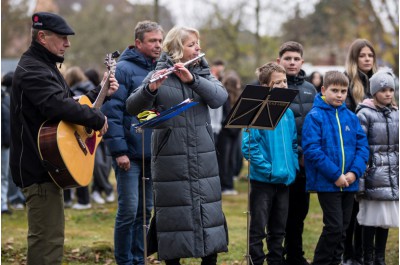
[(291, 58)]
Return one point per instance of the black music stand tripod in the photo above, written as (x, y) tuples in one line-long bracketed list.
[(258, 107)]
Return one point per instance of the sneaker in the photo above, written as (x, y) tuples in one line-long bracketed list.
[(230, 192), (8, 212), (110, 197), (97, 197), (153, 260), (78, 206), (67, 204), (17, 206)]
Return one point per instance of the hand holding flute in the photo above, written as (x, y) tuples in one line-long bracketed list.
[(179, 69)]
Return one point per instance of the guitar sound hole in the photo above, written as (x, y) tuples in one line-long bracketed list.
[(88, 130)]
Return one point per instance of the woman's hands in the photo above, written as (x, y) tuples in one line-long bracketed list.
[(183, 73), (179, 70)]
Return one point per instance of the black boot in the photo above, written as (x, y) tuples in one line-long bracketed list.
[(209, 260), (368, 234), (381, 236), (369, 259), (379, 260)]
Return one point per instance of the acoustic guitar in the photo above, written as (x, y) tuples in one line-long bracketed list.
[(68, 150)]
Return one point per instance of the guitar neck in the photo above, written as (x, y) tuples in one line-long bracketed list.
[(103, 93), (111, 65)]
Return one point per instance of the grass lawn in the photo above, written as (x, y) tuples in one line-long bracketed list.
[(89, 234)]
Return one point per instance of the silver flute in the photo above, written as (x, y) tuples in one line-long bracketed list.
[(172, 69)]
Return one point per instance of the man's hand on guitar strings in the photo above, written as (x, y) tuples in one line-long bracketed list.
[(104, 129)]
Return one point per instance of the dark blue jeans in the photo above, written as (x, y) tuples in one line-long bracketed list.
[(336, 209), (269, 205), (128, 231)]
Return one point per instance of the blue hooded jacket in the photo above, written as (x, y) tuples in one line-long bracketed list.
[(121, 137), (273, 153), (333, 143)]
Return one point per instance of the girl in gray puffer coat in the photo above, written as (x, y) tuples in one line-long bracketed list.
[(379, 203)]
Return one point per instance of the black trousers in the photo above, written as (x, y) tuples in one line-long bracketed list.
[(82, 194), (299, 202), (336, 208), (228, 147), (102, 168), (353, 245), (208, 260), (269, 205)]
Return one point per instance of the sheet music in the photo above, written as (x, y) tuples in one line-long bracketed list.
[(260, 107)]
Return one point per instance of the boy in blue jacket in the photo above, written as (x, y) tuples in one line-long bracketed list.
[(273, 162), (335, 155)]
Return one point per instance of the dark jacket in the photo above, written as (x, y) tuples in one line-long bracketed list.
[(350, 103), (121, 137), (5, 119), (187, 191), (382, 129), (333, 143), (302, 103), (82, 88), (40, 93)]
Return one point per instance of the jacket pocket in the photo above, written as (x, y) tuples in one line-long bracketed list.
[(210, 132), (162, 143)]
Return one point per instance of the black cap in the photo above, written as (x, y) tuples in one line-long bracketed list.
[(52, 22)]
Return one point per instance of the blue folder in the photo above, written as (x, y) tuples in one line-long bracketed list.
[(166, 115)]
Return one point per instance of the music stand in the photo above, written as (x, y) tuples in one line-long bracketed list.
[(149, 124), (258, 107)]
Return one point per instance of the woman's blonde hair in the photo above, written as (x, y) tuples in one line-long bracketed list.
[(173, 43), (352, 69)]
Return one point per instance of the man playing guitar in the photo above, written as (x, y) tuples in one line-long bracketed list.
[(40, 93)]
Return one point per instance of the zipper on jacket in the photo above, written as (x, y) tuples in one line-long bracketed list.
[(284, 150), (388, 157), (341, 142)]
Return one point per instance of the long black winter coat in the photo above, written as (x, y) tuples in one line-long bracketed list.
[(187, 191), (39, 93), (382, 129)]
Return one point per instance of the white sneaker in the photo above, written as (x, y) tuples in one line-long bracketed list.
[(17, 206), (78, 206), (68, 204), (97, 197), (230, 192), (110, 198)]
